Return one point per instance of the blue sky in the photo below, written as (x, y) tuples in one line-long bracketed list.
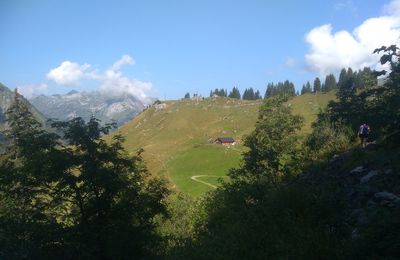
[(165, 48)]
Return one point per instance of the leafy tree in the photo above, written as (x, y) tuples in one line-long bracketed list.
[(29, 170), (365, 79), (386, 98), (112, 198), (76, 197), (187, 95), (272, 146)]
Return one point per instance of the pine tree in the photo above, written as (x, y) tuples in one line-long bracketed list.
[(235, 93), (303, 89), (330, 83), (317, 85), (308, 87), (187, 95)]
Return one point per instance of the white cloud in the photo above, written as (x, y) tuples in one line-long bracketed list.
[(29, 91), (125, 59), (332, 51), (112, 81), (68, 73), (115, 83), (393, 8)]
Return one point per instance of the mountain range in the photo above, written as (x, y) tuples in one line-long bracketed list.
[(104, 106)]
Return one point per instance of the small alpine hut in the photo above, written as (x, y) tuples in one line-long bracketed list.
[(225, 141)]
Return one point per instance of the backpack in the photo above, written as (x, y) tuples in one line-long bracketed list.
[(364, 129)]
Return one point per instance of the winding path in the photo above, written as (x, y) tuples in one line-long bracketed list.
[(194, 177)]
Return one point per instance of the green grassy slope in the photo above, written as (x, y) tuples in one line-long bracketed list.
[(308, 106), (175, 136)]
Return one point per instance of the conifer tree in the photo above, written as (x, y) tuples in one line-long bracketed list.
[(303, 89), (308, 87), (235, 93), (317, 85), (330, 83)]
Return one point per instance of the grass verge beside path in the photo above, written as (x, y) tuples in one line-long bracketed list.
[(208, 162)]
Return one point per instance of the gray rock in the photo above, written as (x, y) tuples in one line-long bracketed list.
[(387, 198), (388, 171), (357, 169), (369, 175), (107, 107)]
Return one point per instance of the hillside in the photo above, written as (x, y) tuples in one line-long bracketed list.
[(6, 98), (175, 136)]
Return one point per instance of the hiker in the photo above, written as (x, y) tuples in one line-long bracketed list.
[(363, 134)]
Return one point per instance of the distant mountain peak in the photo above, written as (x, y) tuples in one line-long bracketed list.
[(72, 92), (118, 108)]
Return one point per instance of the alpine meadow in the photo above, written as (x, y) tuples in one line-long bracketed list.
[(234, 132)]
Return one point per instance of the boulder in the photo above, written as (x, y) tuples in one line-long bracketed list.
[(368, 176)]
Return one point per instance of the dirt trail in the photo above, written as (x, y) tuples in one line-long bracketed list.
[(203, 182)]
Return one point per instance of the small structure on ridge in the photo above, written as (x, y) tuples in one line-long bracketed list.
[(225, 141)]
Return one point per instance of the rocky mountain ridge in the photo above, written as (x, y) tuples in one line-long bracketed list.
[(104, 106)]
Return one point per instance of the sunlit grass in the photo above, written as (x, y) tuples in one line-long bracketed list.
[(176, 138)]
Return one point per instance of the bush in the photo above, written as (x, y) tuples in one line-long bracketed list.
[(328, 138)]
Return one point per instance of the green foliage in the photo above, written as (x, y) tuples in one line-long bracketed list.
[(330, 83), (235, 93), (327, 139), (387, 104), (306, 88), (272, 146), (281, 88), (361, 100), (378, 237), (249, 94), (78, 197), (317, 85), (113, 204), (179, 226), (187, 95), (219, 92), (250, 221)]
